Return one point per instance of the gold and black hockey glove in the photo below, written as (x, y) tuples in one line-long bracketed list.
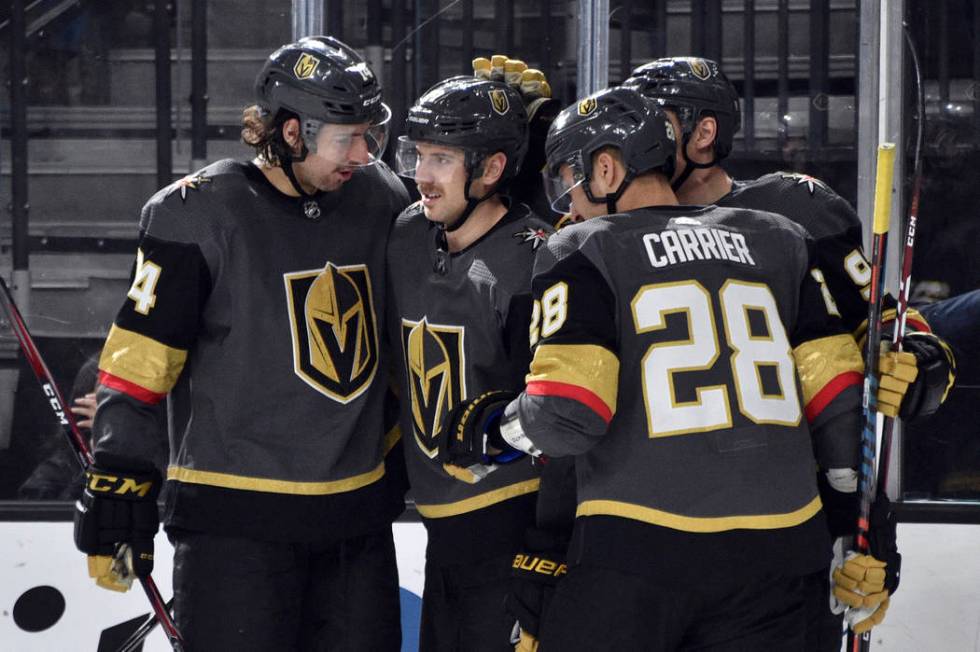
[(865, 583), (915, 381), (470, 445), (535, 573), (116, 519)]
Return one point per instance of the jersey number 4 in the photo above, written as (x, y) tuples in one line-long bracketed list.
[(745, 307), (143, 290)]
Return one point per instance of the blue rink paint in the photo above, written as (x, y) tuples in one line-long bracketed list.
[(411, 617)]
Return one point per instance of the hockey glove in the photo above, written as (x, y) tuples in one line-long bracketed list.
[(115, 522), (857, 583), (914, 382), (531, 83), (865, 583), (535, 574), (470, 445)]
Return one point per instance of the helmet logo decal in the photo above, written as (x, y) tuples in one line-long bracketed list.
[(669, 128), (499, 101), (334, 329), (434, 362), (700, 68), (305, 66), (587, 106)]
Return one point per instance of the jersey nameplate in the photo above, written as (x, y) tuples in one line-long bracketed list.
[(675, 246)]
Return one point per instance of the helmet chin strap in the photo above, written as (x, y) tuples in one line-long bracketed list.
[(311, 207), (287, 167), (690, 166), (471, 203), (610, 199)]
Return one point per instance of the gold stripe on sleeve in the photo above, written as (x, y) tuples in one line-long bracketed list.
[(141, 360), (589, 366), (820, 361)]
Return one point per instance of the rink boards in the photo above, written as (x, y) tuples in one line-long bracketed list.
[(936, 608), (39, 563)]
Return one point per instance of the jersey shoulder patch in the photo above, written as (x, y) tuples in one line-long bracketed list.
[(805, 180), (190, 182), (531, 230)]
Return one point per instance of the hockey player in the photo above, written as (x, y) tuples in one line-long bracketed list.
[(680, 353), (459, 264), (704, 109), (256, 306)]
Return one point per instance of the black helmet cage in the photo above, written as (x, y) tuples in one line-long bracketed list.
[(620, 118), (694, 88)]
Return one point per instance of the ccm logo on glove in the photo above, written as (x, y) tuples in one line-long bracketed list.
[(121, 486)]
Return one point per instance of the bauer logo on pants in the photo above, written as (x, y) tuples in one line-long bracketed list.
[(434, 360), (334, 329)]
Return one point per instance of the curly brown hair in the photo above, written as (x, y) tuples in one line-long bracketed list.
[(262, 131)]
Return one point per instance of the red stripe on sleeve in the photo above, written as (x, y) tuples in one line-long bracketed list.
[(565, 390), (830, 391), (131, 389)]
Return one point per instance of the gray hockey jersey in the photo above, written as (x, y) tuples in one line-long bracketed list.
[(680, 353), (262, 321), (461, 320)]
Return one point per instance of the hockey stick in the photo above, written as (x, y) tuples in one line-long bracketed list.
[(864, 643), (133, 642), (76, 439), (905, 283), (866, 472)]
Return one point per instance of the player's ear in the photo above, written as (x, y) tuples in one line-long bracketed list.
[(493, 168), (705, 134), (290, 134), (605, 172)]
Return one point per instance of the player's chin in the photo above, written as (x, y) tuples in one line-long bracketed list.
[(336, 180)]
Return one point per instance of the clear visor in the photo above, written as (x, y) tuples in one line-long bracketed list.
[(560, 180), (354, 145), (427, 162)]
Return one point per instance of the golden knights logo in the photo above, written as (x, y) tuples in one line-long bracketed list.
[(499, 101), (700, 68), (436, 383), (334, 329), (587, 106), (305, 66)]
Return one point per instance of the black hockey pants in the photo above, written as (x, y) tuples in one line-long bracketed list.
[(242, 595)]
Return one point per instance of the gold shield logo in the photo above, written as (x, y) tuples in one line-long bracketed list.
[(700, 68), (436, 383), (587, 106), (305, 66), (334, 329), (499, 101)]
